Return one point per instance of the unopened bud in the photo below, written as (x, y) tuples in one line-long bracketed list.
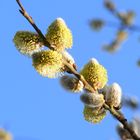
[(71, 84), (92, 100), (121, 36), (114, 95), (109, 5), (97, 24)]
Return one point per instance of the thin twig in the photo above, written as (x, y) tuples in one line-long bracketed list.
[(116, 25), (120, 117), (116, 14), (30, 20), (80, 77)]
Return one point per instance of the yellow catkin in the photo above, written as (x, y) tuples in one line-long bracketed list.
[(95, 74), (94, 116), (59, 35), (92, 100), (27, 42), (48, 63)]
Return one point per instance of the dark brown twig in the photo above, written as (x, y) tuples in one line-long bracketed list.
[(115, 113)]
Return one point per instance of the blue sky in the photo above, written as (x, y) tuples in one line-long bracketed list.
[(38, 108)]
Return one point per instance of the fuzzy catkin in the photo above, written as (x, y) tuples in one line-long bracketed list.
[(48, 63), (59, 35), (71, 83), (27, 42), (95, 74), (92, 100), (113, 95), (93, 116)]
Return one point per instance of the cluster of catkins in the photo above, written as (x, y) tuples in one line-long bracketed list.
[(50, 63)]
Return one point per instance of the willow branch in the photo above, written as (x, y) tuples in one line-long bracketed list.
[(120, 117), (114, 112), (30, 20)]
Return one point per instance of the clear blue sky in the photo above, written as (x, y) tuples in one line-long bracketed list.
[(37, 107)]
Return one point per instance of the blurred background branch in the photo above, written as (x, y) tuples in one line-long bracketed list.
[(125, 26)]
